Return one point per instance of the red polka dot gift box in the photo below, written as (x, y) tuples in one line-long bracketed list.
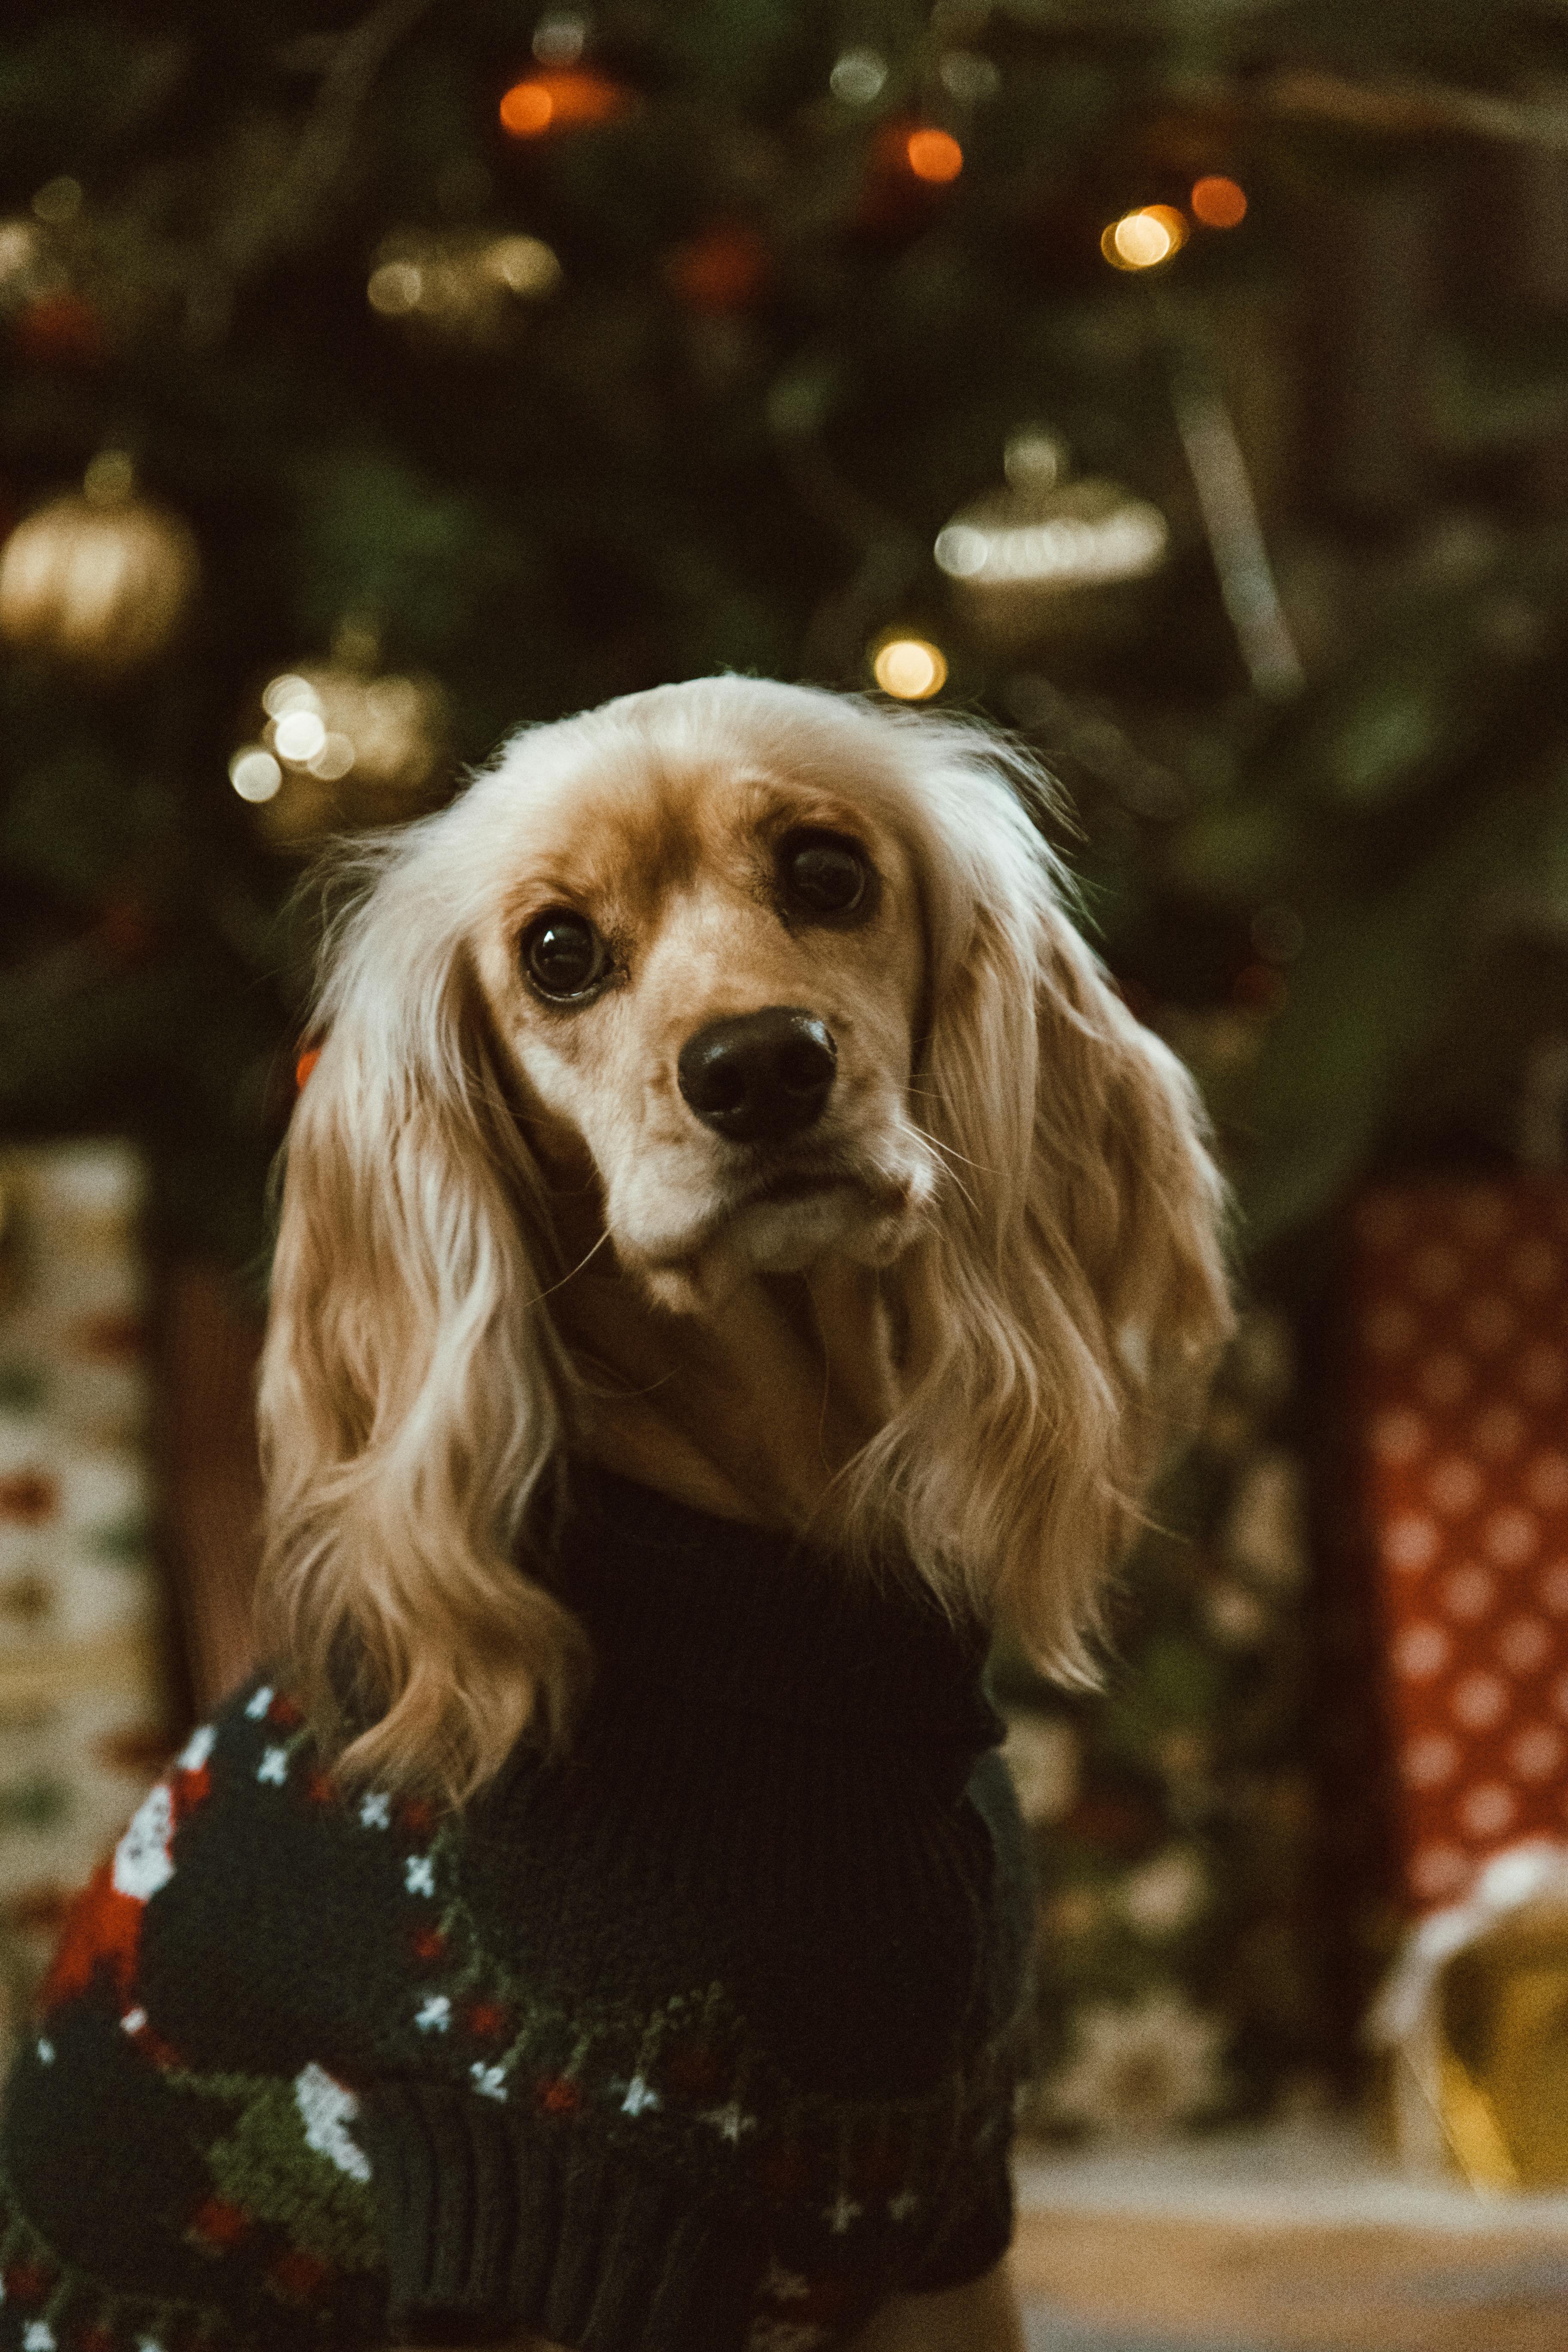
[(1461, 1358)]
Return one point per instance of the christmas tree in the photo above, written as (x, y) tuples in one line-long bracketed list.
[(436, 370), (1183, 388)]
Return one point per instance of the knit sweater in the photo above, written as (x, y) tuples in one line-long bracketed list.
[(703, 2040)]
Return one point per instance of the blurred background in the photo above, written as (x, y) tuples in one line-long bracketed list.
[(1183, 387)]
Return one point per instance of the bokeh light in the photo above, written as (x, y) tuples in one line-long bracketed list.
[(934, 155), (912, 670), (559, 101), (527, 109), (1143, 239), (1217, 202), (255, 773), (857, 77)]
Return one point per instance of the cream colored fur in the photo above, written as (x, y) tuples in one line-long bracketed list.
[(505, 1237)]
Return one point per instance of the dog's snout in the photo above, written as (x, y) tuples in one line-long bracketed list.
[(758, 1075)]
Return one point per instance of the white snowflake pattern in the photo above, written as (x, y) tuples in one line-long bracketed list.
[(640, 2095), (489, 2082), (274, 1767), (436, 2015), (375, 1813), (327, 2107), (39, 2336), (900, 2207), (729, 2121), (142, 1863), (197, 1750), (258, 1703), (842, 2211), (419, 1877), (45, 2053), (133, 2021)]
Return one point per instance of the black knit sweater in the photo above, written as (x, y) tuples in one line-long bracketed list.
[(701, 2041)]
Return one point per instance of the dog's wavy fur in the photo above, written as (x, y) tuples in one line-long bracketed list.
[(1060, 1297)]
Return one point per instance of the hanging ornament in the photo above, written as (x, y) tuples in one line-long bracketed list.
[(102, 577), (341, 745), (463, 287), (1050, 560)]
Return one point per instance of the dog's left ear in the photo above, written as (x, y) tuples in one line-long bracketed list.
[(1065, 1308)]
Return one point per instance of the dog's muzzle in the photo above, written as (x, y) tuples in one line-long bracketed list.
[(758, 1076)]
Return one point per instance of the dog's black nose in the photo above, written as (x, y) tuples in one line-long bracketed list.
[(758, 1076)]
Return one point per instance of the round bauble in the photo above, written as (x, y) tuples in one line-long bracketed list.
[(1046, 561), (101, 578)]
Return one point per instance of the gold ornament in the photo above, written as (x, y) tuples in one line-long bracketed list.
[(462, 286), (102, 577), (1046, 558), (1474, 2023), (340, 746)]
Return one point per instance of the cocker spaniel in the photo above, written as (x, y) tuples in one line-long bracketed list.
[(715, 1109)]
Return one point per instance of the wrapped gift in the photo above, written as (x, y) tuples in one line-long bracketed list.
[(83, 1704), (1460, 1395)]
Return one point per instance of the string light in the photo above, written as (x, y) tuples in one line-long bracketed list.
[(1217, 202), (255, 773), (934, 155), (559, 101), (857, 77), (559, 38), (1143, 239), (912, 670)]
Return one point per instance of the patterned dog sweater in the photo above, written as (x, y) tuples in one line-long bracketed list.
[(703, 2040)]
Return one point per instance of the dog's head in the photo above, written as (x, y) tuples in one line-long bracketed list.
[(736, 976)]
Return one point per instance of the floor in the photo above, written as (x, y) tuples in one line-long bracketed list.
[(1298, 2240)]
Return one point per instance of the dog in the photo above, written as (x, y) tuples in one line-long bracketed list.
[(715, 1102)]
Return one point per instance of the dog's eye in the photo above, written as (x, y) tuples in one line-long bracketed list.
[(564, 954), (823, 872)]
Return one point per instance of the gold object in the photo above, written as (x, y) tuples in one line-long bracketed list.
[(1047, 558), (1474, 2018), (341, 745), (102, 577)]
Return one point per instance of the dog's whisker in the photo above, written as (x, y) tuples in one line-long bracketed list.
[(572, 1272), (946, 1153)]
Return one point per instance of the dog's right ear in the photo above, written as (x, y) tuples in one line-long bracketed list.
[(413, 1390)]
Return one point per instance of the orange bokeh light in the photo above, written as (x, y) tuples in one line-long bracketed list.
[(933, 155), (1218, 203), (559, 101), (306, 1064)]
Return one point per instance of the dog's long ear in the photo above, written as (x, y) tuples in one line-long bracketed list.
[(1065, 1308), (412, 1386)]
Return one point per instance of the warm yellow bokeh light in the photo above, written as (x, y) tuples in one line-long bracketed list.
[(1143, 239), (912, 670)]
